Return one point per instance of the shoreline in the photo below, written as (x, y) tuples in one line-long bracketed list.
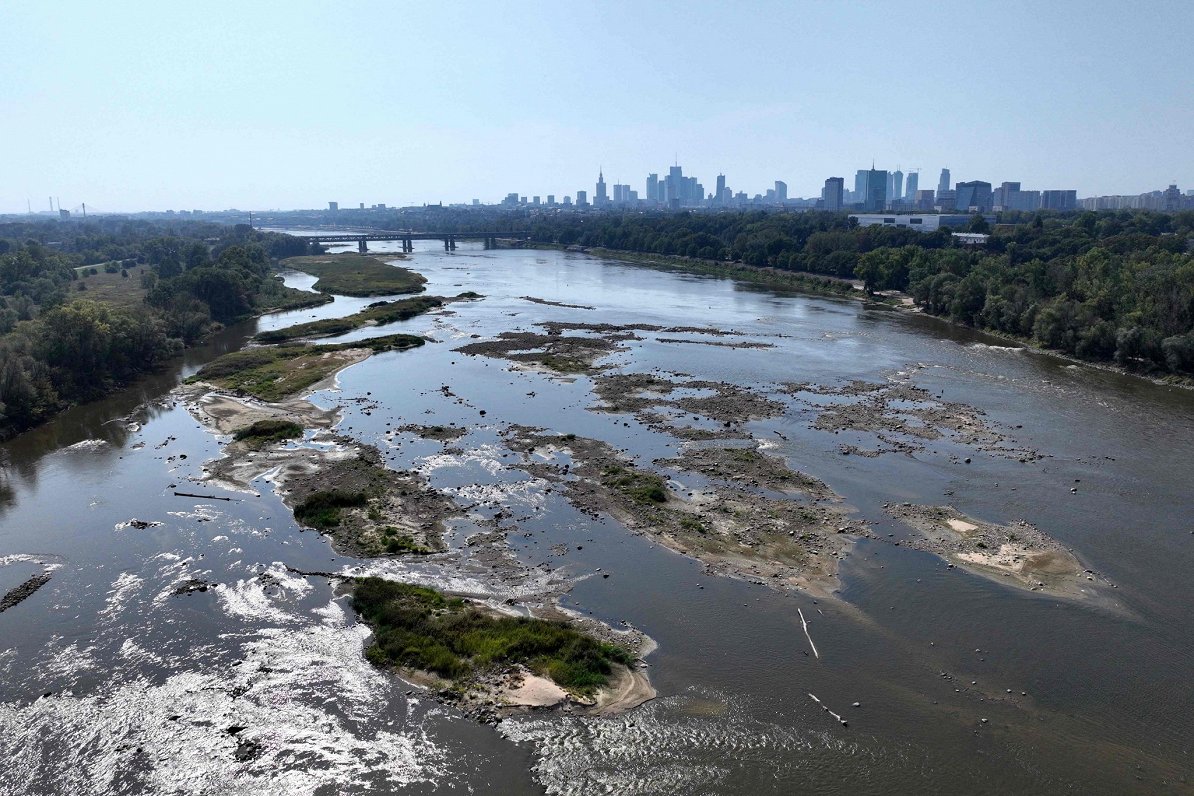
[(895, 300)]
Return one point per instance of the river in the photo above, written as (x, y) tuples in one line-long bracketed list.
[(111, 682)]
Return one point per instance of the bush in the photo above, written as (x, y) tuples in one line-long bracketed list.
[(322, 509)]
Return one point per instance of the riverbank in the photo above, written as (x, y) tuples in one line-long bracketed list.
[(819, 284)]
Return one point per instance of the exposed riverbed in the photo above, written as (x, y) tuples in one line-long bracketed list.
[(976, 668)]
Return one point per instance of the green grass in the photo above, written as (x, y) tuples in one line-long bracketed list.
[(645, 488), (265, 431), (420, 628), (356, 275), (322, 509), (379, 314), (275, 372), (112, 288), (401, 543)]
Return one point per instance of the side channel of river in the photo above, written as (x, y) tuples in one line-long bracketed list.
[(112, 679)]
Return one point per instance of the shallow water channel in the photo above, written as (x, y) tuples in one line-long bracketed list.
[(111, 682)]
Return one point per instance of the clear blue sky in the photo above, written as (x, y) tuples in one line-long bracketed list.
[(156, 105)]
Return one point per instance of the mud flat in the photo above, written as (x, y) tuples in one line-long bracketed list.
[(904, 418), (723, 516), (649, 397), (1018, 554), (555, 352), (18, 594)]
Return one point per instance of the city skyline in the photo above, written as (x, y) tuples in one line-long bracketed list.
[(143, 106)]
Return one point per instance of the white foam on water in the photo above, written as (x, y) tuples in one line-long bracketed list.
[(662, 748), (88, 445), (123, 588)]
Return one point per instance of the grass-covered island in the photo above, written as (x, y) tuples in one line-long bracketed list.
[(357, 274), (378, 314), (273, 373), (420, 629), (263, 432)]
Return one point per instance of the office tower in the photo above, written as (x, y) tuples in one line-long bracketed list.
[(943, 183), (876, 191), (913, 184), (1171, 199), (974, 194), (891, 185), (860, 186), (720, 196), (832, 193), (1059, 200), (333, 206), (897, 186), (567, 201), (781, 191), (673, 185), (924, 200), (652, 186), (551, 199), (535, 200), (600, 198), (582, 199)]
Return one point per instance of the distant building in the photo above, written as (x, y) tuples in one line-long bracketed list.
[(924, 200), (943, 183), (876, 190), (781, 191), (333, 206), (600, 198), (913, 183), (551, 200), (975, 194), (63, 213), (652, 187), (832, 193), (1059, 200), (924, 222), (582, 199), (721, 197), (567, 201), (1171, 199), (897, 187), (860, 185), (535, 201), (946, 201)]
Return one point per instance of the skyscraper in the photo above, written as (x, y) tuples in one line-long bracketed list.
[(897, 186), (976, 194), (876, 191), (582, 199), (652, 186), (913, 184), (860, 186), (781, 191), (832, 193), (943, 183), (600, 197)]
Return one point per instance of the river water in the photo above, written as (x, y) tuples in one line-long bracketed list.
[(112, 683)]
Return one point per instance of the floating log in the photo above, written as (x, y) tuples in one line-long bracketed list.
[(204, 497)]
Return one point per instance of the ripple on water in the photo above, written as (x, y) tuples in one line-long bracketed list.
[(671, 745)]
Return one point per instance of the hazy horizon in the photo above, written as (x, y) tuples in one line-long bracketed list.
[(215, 105)]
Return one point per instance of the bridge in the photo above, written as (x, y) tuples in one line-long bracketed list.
[(408, 238)]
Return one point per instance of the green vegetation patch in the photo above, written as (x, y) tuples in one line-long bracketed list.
[(379, 314), (266, 431), (420, 628), (273, 373), (645, 488), (357, 275), (322, 509)]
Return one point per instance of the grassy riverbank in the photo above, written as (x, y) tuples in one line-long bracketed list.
[(273, 373), (419, 628), (357, 274)]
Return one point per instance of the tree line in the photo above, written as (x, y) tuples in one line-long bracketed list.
[(59, 348), (1112, 286)]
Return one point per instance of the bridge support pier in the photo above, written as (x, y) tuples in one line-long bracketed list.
[(408, 245), (361, 245), (446, 248), (452, 242)]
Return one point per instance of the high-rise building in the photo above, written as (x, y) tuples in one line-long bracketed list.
[(781, 191), (600, 198), (860, 185), (1171, 199), (333, 206), (832, 193), (943, 183), (652, 186), (897, 186), (913, 184), (924, 200), (551, 199), (582, 199), (720, 196), (974, 194), (876, 191), (673, 186), (1059, 200)]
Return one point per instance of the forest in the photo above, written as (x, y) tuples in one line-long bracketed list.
[(1106, 287), (86, 307)]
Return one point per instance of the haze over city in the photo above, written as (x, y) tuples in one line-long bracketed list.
[(215, 105)]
